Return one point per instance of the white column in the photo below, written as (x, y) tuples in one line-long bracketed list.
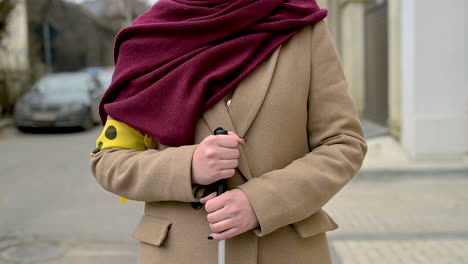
[(394, 67), (353, 50), (434, 78)]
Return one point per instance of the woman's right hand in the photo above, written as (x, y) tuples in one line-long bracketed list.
[(215, 158)]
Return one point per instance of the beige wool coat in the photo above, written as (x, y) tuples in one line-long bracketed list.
[(304, 144)]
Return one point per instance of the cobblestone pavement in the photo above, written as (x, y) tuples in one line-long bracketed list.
[(401, 220)]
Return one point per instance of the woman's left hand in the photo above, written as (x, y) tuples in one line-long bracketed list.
[(229, 214)]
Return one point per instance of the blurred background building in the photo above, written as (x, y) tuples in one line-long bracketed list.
[(42, 36), (406, 62), (14, 61), (67, 37), (116, 13)]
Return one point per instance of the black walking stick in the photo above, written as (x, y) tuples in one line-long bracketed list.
[(221, 188), (222, 184)]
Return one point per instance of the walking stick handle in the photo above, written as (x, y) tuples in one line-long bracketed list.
[(222, 184)]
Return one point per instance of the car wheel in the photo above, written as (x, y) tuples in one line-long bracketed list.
[(24, 129)]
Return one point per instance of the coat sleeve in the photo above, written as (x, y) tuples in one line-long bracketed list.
[(126, 163), (286, 196)]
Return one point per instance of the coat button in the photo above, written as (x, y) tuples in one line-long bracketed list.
[(228, 103), (196, 206)]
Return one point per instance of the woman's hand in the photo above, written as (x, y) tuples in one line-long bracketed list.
[(215, 158), (229, 214)]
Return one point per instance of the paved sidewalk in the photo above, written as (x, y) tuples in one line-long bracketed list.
[(5, 123), (398, 210), (401, 220), (385, 154)]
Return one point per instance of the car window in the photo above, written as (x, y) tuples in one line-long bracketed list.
[(92, 84), (105, 78), (60, 84)]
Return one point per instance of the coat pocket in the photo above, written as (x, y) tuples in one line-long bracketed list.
[(152, 230), (315, 224)]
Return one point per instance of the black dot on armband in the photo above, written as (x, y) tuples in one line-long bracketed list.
[(96, 150), (111, 132)]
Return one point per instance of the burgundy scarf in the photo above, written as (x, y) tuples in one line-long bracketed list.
[(182, 56)]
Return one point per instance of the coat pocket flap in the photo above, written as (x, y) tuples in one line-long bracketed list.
[(152, 230), (315, 224)]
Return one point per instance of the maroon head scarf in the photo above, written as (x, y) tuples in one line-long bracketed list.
[(182, 56)]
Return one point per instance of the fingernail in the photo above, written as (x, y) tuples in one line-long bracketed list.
[(210, 238), (243, 139)]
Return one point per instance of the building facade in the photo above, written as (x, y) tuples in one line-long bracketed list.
[(407, 62), (14, 63), (66, 37)]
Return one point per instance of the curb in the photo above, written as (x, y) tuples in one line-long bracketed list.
[(411, 172), (6, 122)]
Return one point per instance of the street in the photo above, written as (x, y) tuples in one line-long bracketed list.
[(53, 211), (51, 205)]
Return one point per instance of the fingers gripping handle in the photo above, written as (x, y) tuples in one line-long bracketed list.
[(222, 184)]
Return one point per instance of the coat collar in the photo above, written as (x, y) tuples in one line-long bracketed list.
[(246, 102)]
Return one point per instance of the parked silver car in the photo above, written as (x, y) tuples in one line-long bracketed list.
[(104, 77), (60, 100)]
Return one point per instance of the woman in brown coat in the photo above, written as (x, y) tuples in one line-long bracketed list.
[(266, 71)]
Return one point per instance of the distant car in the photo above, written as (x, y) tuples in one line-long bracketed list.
[(104, 78), (60, 100), (102, 74)]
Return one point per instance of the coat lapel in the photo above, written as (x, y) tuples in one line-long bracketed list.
[(246, 102), (249, 95)]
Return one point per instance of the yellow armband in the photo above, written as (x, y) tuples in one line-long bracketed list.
[(119, 135)]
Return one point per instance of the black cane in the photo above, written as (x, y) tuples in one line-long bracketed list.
[(222, 184), (221, 188)]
